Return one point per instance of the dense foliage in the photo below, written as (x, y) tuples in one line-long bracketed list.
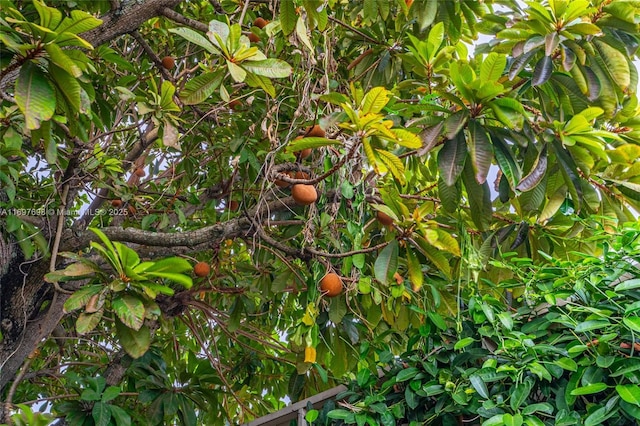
[(541, 363), (461, 182)]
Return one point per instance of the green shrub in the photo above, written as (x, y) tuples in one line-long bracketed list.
[(565, 352)]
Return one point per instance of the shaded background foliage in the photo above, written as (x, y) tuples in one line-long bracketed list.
[(491, 161)]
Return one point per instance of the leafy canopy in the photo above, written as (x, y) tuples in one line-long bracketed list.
[(493, 160)]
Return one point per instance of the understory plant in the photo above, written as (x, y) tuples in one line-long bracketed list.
[(556, 344)]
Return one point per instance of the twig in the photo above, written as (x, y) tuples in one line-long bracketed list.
[(347, 253), (156, 60), (360, 33), (13, 388), (244, 11), (176, 17)]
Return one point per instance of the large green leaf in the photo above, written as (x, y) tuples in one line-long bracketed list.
[(386, 263), (492, 67), (480, 150), (195, 38), (479, 196), (393, 164), (271, 68), (616, 63), (629, 393), (130, 310), (449, 196), (570, 173), (288, 16), (542, 71), (88, 321), (534, 177), (80, 298), (135, 343), (78, 22), (375, 100), (68, 86), (61, 59), (451, 158), (199, 88), (34, 95)]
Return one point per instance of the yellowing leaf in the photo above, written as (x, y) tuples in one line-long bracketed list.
[(375, 100)]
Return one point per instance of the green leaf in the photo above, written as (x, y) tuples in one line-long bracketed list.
[(130, 310), (570, 173), (616, 63), (436, 256), (542, 71), (195, 38), (80, 298), (87, 322), (591, 325), (78, 22), (101, 414), (135, 343), (34, 96), (449, 196), (182, 279), (455, 123), (520, 393), (314, 142), (271, 68), (406, 374), (338, 414), (414, 268), (492, 67), (121, 417), (633, 323), (386, 263), (199, 88), (589, 389), (288, 16), (479, 197), (68, 86), (479, 150), (170, 264), (629, 393), (60, 58), (538, 170), (462, 343), (628, 285), (49, 16), (375, 100), (406, 138), (392, 163), (451, 159)]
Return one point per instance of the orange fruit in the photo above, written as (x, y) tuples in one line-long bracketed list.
[(233, 205), (304, 194), (331, 285), (260, 23), (314, 131), (116, 203), (168, 62), (201, 269), (384, 218), (253, 38), (235, 104), (301, 175), (305, 153), (139, 172), (132, 210)]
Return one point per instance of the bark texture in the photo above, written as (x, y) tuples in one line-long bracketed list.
[(23, 292)]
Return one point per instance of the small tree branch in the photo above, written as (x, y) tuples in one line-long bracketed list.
[(180, 19)]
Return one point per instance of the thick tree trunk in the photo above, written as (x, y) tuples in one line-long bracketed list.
[(22, 287)]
